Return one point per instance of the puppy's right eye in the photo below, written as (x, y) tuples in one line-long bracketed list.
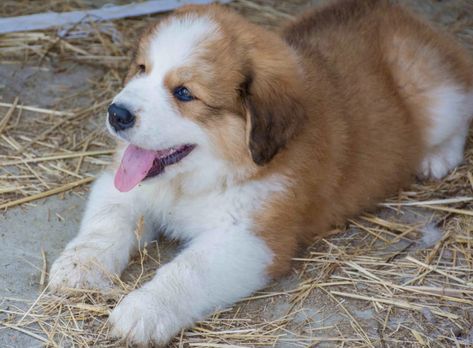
[(183, 94), (141, 68)]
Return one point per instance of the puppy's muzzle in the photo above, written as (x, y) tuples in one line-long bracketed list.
[(120, 118)]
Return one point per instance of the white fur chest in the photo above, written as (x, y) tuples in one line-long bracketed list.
[(185, 216)]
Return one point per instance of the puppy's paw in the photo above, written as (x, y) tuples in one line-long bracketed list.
[(439, 162), (438, 165), (141, 318), (78, 268)]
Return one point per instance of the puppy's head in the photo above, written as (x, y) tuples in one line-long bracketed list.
[(206, 90)]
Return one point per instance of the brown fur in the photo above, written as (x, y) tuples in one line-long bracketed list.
[(332, 104), (372, 132)]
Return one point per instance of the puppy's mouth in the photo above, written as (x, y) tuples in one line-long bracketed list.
[(139, 164)]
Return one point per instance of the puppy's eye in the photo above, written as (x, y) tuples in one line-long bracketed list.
[(183, 94), (141, 68)]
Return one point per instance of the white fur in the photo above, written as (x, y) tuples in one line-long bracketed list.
[(104, 243), (450, 115), (431, 234), (218, 268), (223, 261)]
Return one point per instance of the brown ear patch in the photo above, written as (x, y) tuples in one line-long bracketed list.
[(275, 114)]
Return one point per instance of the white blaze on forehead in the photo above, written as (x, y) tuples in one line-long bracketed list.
[(176, 40)]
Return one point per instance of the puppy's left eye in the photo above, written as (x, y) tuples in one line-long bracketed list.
[(183, 94)]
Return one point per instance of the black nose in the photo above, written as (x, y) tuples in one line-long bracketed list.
[(120, 118)]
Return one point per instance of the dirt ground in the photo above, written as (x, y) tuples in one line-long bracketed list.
[(375, 282)]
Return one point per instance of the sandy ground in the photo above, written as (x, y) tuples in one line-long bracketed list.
[(47, 225)]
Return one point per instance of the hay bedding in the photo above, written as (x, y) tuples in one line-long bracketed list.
[(401, 277)]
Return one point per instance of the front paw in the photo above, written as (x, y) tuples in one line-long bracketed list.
[(78, 268), (143, 317)]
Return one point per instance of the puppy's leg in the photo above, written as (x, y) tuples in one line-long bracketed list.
[(450, 114), (104, 243), (215, 270), (434, 77)]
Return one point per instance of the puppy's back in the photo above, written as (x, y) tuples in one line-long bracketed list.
[(376, 128)]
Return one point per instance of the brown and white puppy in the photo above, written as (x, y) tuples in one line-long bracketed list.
[(245, 144)]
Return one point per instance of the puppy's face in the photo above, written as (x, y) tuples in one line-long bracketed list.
[(187, 104), (180, 107)]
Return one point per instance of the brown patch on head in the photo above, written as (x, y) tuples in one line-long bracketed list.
[(140, 62), (268, 78), (246, 86), (215, 109), (213, 77)]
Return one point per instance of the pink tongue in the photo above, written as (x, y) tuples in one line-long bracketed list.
[(134, 167)]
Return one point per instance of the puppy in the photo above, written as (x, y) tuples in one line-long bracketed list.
[(246, 144)]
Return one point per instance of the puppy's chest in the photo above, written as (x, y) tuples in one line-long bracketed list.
[(189, 217), (236, 208)]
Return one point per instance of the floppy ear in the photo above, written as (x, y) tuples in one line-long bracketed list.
[(274, 111)]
